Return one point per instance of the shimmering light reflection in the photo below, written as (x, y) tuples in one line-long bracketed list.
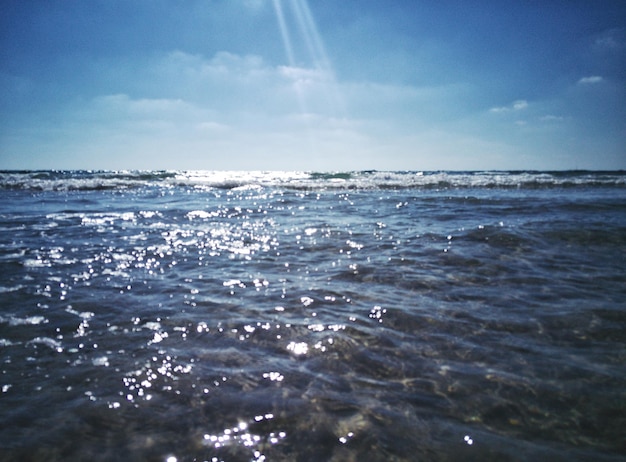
[(377, 313), (344, 439), (298, 348), (162, 371), (241, 435), (187, 326), (274, 376)]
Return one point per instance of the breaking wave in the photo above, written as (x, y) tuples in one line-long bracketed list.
[(86, 180)]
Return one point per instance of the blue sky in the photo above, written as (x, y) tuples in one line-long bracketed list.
[(313, 85)]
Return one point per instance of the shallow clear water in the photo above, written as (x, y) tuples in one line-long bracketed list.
[(292, 316)]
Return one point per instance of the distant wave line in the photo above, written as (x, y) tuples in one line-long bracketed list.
[(60, 180)]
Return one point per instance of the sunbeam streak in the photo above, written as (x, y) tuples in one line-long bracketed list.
[(316, 86), (284, 32), (311, 35)]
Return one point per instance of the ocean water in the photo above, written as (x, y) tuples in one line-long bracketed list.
[(263, 316)]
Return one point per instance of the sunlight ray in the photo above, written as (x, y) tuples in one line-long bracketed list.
[(299, 15), (284, 32)]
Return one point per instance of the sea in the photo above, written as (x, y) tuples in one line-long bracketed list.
[(298, 316)]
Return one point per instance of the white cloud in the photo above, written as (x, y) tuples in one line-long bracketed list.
[(185, 86), (227, 111), (520, 104), (551, 118), (119, 113), (234, 84), (152, 107), (590, 80), (517, 105), (611, 40), (304, 75)]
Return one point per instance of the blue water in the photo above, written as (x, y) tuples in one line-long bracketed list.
[(249, 316)]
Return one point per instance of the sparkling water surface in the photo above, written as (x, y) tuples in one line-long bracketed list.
[(191, 316)]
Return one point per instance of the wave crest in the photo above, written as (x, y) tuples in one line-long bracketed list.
[(85, 180)]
